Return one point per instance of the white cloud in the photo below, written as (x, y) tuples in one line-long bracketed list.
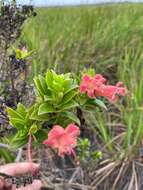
[(68, 2)]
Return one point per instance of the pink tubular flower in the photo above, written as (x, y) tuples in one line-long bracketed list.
[(90, 84), (111, 92), (96, 86), (65, 140)]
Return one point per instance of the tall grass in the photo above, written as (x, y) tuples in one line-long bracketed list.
[(131, 71), (71, 38)]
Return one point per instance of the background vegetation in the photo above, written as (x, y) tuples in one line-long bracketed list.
[(106, 37), (72, 37), (110, 39)]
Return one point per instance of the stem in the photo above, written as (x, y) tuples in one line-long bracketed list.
[(29, 149), (12, 84), (85, 132), (29, 155), (23, 87), (79, 114)]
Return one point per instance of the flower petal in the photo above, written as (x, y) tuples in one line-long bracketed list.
[(56, 131), (72, 130), (86, 78), (91, 93), (63, 139), (54, 135)]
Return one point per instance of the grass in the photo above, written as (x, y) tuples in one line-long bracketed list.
[(70, 38)]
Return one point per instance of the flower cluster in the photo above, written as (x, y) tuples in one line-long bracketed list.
[(97, 86), (64, 140)]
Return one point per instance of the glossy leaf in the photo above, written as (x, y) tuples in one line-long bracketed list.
[(69, 105), (34, 116), (71, 116), (69, 96), (17, 123), (100, 104), (39, 86), (43, 84), (21, 109), (14, 114), (45, 108)]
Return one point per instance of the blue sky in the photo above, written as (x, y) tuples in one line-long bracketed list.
[(66, 2)]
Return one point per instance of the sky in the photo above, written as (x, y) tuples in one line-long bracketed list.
[(67, 2)]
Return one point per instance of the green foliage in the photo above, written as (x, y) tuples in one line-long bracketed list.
[(7, 155), (20, 119), (22, 54), (56, 95), (84, 151), (132, 74), (91, 104), (89, 71), (57, 92), (96, 155), (73, 38)]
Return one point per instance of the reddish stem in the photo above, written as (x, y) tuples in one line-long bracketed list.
[(29, 149), (29, 155)]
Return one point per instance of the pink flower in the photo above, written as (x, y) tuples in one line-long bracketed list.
[(96, 86), (65, 140), (111, 92), (89, 84)]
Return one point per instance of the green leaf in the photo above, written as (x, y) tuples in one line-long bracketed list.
[(14, 114), (71, 116), (39, 86), (27, 120), (97, 155), (67, 83), (41, 135), (91, 72), (100, 104), (19, 139), (82, 99), (17, 123), (34, 128), (69, 105), (43, 84), (95, 102), (49, 78), (57, 87), (18, 53), (45, 108), (27, 54), (69, 96), (71, 87), (48, 98), (34, 116), (7, 155), (21, 109)]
